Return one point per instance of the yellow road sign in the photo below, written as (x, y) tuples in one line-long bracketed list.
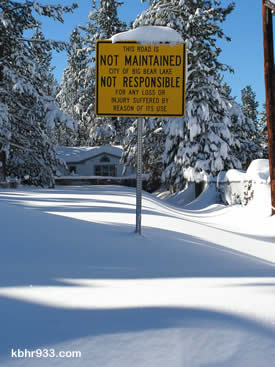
[(140, 80)]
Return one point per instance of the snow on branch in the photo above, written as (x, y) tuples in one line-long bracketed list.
[(52, 11), (4, 141), (57, 45)]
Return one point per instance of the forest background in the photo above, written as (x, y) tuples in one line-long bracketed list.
[(219, 131)]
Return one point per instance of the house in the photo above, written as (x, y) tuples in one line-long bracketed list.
[(100, 161)]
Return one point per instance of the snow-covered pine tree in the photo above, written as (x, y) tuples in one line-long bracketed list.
[(250, 131), (42, 57), (104, 21), (103, 24), (201, 143), (225, 89), (72, 88), (153, 142), (246, 146), (54, 121), (262, 124), (28, 109), (249, 103), (246, 142), (263, 120), (85, 103)]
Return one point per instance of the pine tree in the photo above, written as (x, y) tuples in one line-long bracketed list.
[(54, 120), (262, 125), (249, 103), (153, 142), (200, 144), (86, 106), (225, 89), (247, 144), (29, 108), (103, 23), (253, 134), (263, 120), (72, 88), (77, 94), (246, 147)]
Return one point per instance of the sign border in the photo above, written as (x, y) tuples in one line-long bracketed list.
[(141, 114)]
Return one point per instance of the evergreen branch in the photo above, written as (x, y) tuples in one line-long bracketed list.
[(52, 11), (3, 141), (57, 45)]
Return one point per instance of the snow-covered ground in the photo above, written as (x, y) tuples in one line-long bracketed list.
[(195, 290)]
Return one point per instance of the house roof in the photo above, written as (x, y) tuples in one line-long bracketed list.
[(79, 154)]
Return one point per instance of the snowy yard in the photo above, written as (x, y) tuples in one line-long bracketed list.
[(195, 290)]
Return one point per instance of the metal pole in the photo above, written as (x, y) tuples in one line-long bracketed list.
[(139, 175), (270, 94)]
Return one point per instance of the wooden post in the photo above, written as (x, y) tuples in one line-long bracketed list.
[(269, 73)]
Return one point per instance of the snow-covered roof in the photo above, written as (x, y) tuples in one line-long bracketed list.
[(149, 35), (78, 154), (258, 170)]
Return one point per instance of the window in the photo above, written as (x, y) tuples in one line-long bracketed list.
[(97, 170), (105, 170), (72, 169)]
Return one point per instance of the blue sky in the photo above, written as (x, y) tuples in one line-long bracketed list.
[(243, 25)]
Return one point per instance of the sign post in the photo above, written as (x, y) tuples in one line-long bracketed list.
[(139, 175), (139, 80)]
